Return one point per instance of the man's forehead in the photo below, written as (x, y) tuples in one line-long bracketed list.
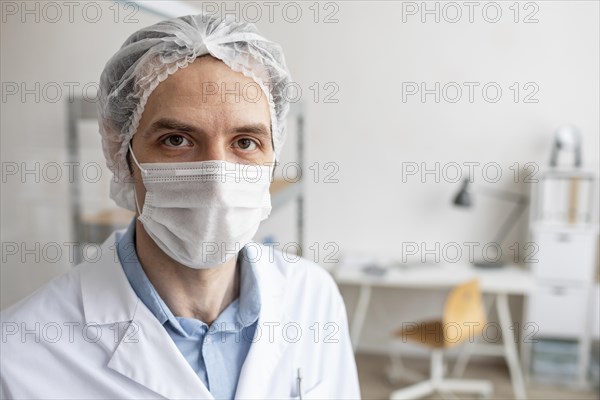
[(205, 73), (211, 83)]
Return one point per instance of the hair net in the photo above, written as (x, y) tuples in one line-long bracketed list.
[(153, 53)]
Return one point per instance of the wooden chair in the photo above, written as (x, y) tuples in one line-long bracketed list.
[(463, 318)]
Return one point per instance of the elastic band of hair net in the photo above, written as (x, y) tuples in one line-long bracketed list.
[(152, 54)]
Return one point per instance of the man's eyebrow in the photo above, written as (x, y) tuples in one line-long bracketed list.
[(258, 129), (175, 125), (170, 124)]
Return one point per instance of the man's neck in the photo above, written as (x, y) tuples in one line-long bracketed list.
[(194, 293)]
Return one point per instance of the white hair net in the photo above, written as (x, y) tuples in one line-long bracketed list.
[(153, 53)]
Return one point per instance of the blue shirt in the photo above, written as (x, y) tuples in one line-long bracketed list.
[(216, 352)]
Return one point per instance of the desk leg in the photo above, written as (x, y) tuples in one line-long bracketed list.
[(360, 313), (510, 348)]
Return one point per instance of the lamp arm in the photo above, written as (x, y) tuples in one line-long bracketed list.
[(502, 194), (511, 220), (521, 203)]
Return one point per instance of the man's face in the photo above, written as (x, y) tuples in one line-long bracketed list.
[(203, 112)]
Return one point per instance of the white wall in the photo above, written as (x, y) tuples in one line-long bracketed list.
[(368, 133), (35, 211)]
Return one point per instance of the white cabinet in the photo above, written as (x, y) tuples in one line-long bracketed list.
[(563, 226)]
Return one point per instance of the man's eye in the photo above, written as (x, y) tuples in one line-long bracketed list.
[(246, 144), (176, 141)]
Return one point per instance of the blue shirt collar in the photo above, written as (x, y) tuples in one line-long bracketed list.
[(242, 312)]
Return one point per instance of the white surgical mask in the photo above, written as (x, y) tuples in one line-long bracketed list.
[(202, 213)]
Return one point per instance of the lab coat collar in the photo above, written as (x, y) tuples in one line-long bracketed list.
[(146, 354), (150, 357), (105, 291)]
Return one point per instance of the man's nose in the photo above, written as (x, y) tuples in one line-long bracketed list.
[(213, 152)]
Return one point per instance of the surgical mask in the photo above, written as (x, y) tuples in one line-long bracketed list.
[(201, 214)]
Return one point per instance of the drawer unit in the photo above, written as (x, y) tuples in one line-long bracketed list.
[(564, 255), (559, 311)]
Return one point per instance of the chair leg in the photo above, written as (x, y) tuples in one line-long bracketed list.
[(397, 372), (425, 388), (484, 388), (437, 366), (412, 392), (437, 383), (462, 360)]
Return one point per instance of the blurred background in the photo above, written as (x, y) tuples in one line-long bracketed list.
[(394, 105)]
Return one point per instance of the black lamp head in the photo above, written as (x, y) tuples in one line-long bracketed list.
[(463, 197)]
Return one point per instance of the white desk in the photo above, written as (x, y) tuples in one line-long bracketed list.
[(500, 283)]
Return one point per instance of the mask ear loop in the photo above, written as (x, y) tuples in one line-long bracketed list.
[(143, 171), (136, 202), (275, 161)]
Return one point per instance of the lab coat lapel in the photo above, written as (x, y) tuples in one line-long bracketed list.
[(151, 358), (146, 354), (256, 375)]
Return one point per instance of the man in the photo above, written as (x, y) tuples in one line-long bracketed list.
[(182, 304)]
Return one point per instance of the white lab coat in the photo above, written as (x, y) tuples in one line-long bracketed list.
[(86, 334)]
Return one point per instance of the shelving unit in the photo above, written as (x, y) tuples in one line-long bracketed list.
[(97, 225), (562, 225), (284, 191)]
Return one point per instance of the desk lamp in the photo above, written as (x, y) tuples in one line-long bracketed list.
[(464, 198)]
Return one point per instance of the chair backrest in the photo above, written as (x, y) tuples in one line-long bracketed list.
[(464, 314)]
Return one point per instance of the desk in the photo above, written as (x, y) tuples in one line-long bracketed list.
[(500, 283)]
